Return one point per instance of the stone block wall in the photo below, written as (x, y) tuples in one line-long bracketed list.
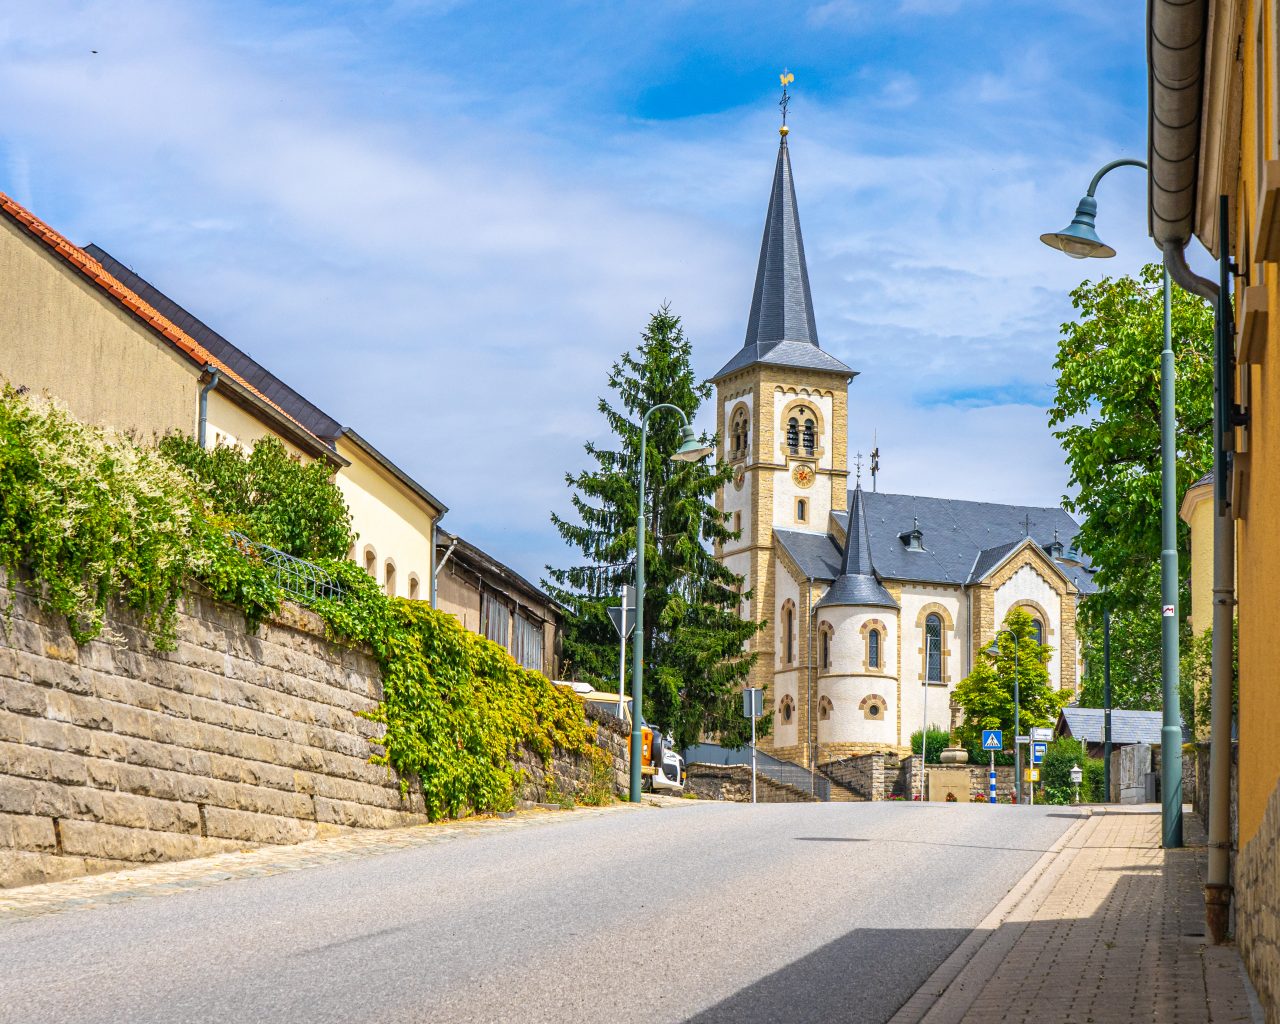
[(576, 776), (870, 776), (1257, 908), (114, 753), (733, 782)]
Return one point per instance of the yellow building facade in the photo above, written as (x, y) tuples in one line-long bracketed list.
[(1232, 149)]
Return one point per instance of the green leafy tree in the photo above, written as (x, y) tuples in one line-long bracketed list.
[(694, 637), (986, 693), (1107, 411), (270, 495)]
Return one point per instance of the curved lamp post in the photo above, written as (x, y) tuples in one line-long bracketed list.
[(1017, 708), (1079, 239), (690, 450)]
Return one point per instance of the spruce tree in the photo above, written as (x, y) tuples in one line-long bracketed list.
[(695, 639)]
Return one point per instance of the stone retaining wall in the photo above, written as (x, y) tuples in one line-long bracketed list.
[(870, 776), (733, 782), (1257, 908), (114, 753)]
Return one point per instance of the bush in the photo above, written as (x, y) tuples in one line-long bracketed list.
[(938, 738), (1062, 755)]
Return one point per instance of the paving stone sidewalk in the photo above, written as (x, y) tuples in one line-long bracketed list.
[(154, 880), (1111, 930)]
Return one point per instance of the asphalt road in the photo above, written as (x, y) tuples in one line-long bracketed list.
[(702, 912)]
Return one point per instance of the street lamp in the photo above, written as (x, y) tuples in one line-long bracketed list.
[(690, 450), (1079, 240), (1076, 776), (994, 649)]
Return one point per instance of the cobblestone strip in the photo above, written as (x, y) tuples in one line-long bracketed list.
[(1116, 934), (163, 879)]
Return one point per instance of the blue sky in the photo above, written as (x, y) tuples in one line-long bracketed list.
[(442, 221)]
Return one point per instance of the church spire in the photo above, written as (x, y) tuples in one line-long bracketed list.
[(857, 583), (781, 329)]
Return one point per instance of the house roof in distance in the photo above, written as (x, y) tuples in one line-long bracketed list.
[(962, 540), (1126, 726)]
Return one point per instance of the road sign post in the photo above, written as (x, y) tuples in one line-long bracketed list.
[(623, 616), (992, 740), (753, 708)]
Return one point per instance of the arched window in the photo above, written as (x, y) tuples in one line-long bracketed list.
[(739, 434), (809, 437), (825, 708), (371, 562), (1037, 631), (793, 435), (787, 709), (788, 629), (737, 522), (414, 586), (933, 648), (824, 646), (802, 510), (873, 649), (389, 581)]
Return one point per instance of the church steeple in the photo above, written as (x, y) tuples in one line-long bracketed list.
[(857, 583), (781, 329)]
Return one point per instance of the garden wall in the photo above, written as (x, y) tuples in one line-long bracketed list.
[(733, 782), (1257, 907), (113, 753)]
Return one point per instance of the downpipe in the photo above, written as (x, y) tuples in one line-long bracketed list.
[(202, 422)]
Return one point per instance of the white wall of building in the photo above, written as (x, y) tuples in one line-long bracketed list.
[(915, 597), (1027, 584)]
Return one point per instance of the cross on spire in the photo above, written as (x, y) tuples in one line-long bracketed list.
[(786, 78), (857, 461)]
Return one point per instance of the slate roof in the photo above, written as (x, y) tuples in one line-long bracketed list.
[(226, 355), (817, 554), (962, 539), (272, 387), (138, 305), (1126, 726), (857, 583), (781, 330)]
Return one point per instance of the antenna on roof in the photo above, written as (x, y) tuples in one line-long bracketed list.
[(875, 458), (1027, 524)]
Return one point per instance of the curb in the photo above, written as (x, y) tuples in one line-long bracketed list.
[(947, 994)]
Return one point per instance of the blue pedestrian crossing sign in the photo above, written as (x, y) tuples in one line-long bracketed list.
[(992, 739), (1038, 751)]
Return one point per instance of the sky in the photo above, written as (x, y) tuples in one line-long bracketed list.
[(442, 221)]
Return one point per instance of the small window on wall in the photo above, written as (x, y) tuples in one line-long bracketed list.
[(1037, 631), (809, 437), (788, 634), (371, 562), (389, 583), (737, 522), (824, 645), (413, 587), (802, 510), (793, 435), (787, 710), (824, 709), (873, 649)]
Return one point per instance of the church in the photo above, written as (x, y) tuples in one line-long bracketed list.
[(876, 604)]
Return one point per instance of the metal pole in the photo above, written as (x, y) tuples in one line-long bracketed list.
[(924, 727), (1171, 731), (1218, 876), (1106, 704), (1017, 720), (622, 655), (991, 779), (637, 651), (753, 751)]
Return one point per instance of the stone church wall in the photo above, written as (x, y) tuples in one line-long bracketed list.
[(113, 753)]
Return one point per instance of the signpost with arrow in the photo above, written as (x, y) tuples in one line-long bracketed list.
[(624, 621)]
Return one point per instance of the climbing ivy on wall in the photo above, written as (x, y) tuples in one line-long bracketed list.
[(88, 515)]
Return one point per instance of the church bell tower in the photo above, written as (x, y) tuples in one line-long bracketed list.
[(781, 415)]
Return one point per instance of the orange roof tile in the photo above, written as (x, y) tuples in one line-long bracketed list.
[(130, 300)]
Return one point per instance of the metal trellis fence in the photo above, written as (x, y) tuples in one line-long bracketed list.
[(302, 581)]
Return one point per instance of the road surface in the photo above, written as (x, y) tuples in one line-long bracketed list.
[(700, 912)]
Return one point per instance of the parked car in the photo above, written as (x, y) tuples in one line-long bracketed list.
[(661, 766)]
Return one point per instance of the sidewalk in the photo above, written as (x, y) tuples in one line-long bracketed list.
[(1107, 927)]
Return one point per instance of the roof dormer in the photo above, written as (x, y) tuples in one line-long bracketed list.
[(913, 539)]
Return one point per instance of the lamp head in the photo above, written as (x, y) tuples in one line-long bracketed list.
[(1079, 239), (690, 449)]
